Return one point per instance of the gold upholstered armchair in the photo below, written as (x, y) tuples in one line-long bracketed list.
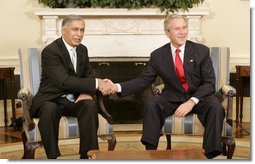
[(190, 125), (30, 71)]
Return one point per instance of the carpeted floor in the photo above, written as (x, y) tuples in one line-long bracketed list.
[(69, 148)]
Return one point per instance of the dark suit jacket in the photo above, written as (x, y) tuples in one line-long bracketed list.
[(58, 75), (198, 69)]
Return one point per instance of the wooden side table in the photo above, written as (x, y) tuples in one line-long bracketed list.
[(241, 71), (8, 73)]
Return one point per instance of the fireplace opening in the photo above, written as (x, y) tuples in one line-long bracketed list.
[(129, 109)]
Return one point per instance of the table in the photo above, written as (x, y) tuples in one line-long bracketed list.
[(147, 154), (8, 73), (241, 72)]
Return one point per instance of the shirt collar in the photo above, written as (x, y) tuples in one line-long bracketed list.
[(67, 45), (174, 48)]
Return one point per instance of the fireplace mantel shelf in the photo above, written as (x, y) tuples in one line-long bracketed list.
[(119, 59)]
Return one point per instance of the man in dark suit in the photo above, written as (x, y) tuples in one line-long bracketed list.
[(189, 87), (67, 87)]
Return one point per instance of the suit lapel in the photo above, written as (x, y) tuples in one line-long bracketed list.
[(66, 56), (189, 61), (170, 67), (79, 60), (169, 63)]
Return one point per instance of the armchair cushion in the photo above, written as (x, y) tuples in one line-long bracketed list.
[(189, 124), (68, 128)]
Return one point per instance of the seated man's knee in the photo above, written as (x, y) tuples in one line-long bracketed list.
[(152, 105), (49, 109), (88, 106), (217, 109), (150, 102)]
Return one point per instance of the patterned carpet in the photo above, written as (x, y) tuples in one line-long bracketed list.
[(69, 148)]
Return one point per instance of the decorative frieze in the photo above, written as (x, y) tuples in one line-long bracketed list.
[(119, 32)]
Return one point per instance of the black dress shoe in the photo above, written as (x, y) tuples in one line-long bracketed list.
[(150, 147), (213, 154), (84, 156)]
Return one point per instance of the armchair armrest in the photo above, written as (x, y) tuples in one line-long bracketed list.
[(102, 109), (157, 89), (24, 95), (227, 92)]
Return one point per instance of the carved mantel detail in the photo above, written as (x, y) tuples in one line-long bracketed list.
[(119, 32)]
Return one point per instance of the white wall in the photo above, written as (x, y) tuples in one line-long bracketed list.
[(229, 25), (19, 28)]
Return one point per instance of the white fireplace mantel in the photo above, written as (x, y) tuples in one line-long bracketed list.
[(119, 32)]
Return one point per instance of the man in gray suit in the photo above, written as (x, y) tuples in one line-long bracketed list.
[(67, 87), (186, 69)]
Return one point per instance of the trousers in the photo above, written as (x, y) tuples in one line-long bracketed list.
[(50, 114)]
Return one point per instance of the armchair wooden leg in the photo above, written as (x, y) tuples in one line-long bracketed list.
[(24, 140), (111, 139), (29, 148), (228, 147), (168, 139)]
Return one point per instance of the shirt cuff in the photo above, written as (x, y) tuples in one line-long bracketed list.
[(96, 83), (195, 99), (118, 87)]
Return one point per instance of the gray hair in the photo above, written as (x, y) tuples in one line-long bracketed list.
[(71, 18), (169, 18)]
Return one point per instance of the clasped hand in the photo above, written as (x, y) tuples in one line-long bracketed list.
[(107, 87)]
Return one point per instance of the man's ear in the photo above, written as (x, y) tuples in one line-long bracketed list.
[(63, 31)]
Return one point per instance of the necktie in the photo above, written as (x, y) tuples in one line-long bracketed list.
[(74, 58), (180, 71)]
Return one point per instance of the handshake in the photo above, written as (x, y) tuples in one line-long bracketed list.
[(107, 87)]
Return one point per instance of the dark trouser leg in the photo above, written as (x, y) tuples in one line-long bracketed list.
[(211, 114), (87, 114), (153, 120), (49, 115)]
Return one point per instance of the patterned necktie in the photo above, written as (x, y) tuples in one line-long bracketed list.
[(180, 71), (74, 58)]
